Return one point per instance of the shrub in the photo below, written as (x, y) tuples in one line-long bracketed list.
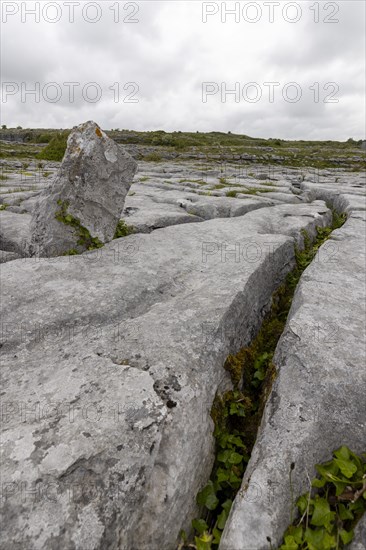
[(231, 193), (56, 148), (153, 157)]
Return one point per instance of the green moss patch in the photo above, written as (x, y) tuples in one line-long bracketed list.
[(123, 230), (85, 240)]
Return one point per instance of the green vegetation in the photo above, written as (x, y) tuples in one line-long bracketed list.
[(335, 502), (18, 150), (152, 157), (200, 182), (56, 148), (85, 240), (212, 147), (123, 230), (232, 193), (3, 206), (238, 412)]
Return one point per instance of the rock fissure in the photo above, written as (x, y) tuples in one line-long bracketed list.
[(237, 413)]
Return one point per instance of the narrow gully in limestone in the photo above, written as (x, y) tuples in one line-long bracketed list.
[(237, 413)]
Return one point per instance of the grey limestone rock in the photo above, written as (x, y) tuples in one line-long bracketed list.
[(82, 206)]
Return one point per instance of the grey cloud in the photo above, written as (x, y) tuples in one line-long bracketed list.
[(170, 52)]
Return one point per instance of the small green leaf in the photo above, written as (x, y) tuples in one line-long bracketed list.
[(211, 502), (290, 544), (235, 458), (204, 542), (217, 536), (346, 536), (340, 487), (347, 467), (314, 538), (227, 505), (302, 503), (318, 482), (223, 456), (342, 453), (321, 513), (222, 475), (200, 526), (207, 497), (329, 470), (221, 520), (296, 532), (344, 512)]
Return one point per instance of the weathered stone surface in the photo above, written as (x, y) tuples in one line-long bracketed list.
[(86, 198), (223, 207), (146, 212), (284, 197), (359, 541), (317, 402), (14, 231), (106, 363), (6, 256)]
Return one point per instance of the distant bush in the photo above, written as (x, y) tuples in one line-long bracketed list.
[(44, 138), (153, 157), (56, 148)]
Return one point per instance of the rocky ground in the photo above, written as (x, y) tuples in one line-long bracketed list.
[(112, 358)]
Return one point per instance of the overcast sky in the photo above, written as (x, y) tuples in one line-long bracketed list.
[(169, 65)]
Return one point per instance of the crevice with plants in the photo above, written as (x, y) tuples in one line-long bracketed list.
[(237, 413), (123, 230), (85, 239)]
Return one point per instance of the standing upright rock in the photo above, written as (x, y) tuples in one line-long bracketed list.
[(81, 208)]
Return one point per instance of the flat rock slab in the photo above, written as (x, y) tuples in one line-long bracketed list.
[(111, 361), (145, 214), (317, 402)]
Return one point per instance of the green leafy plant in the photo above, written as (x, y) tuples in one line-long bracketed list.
[(123, 230), (328, 513), (217, 496)]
